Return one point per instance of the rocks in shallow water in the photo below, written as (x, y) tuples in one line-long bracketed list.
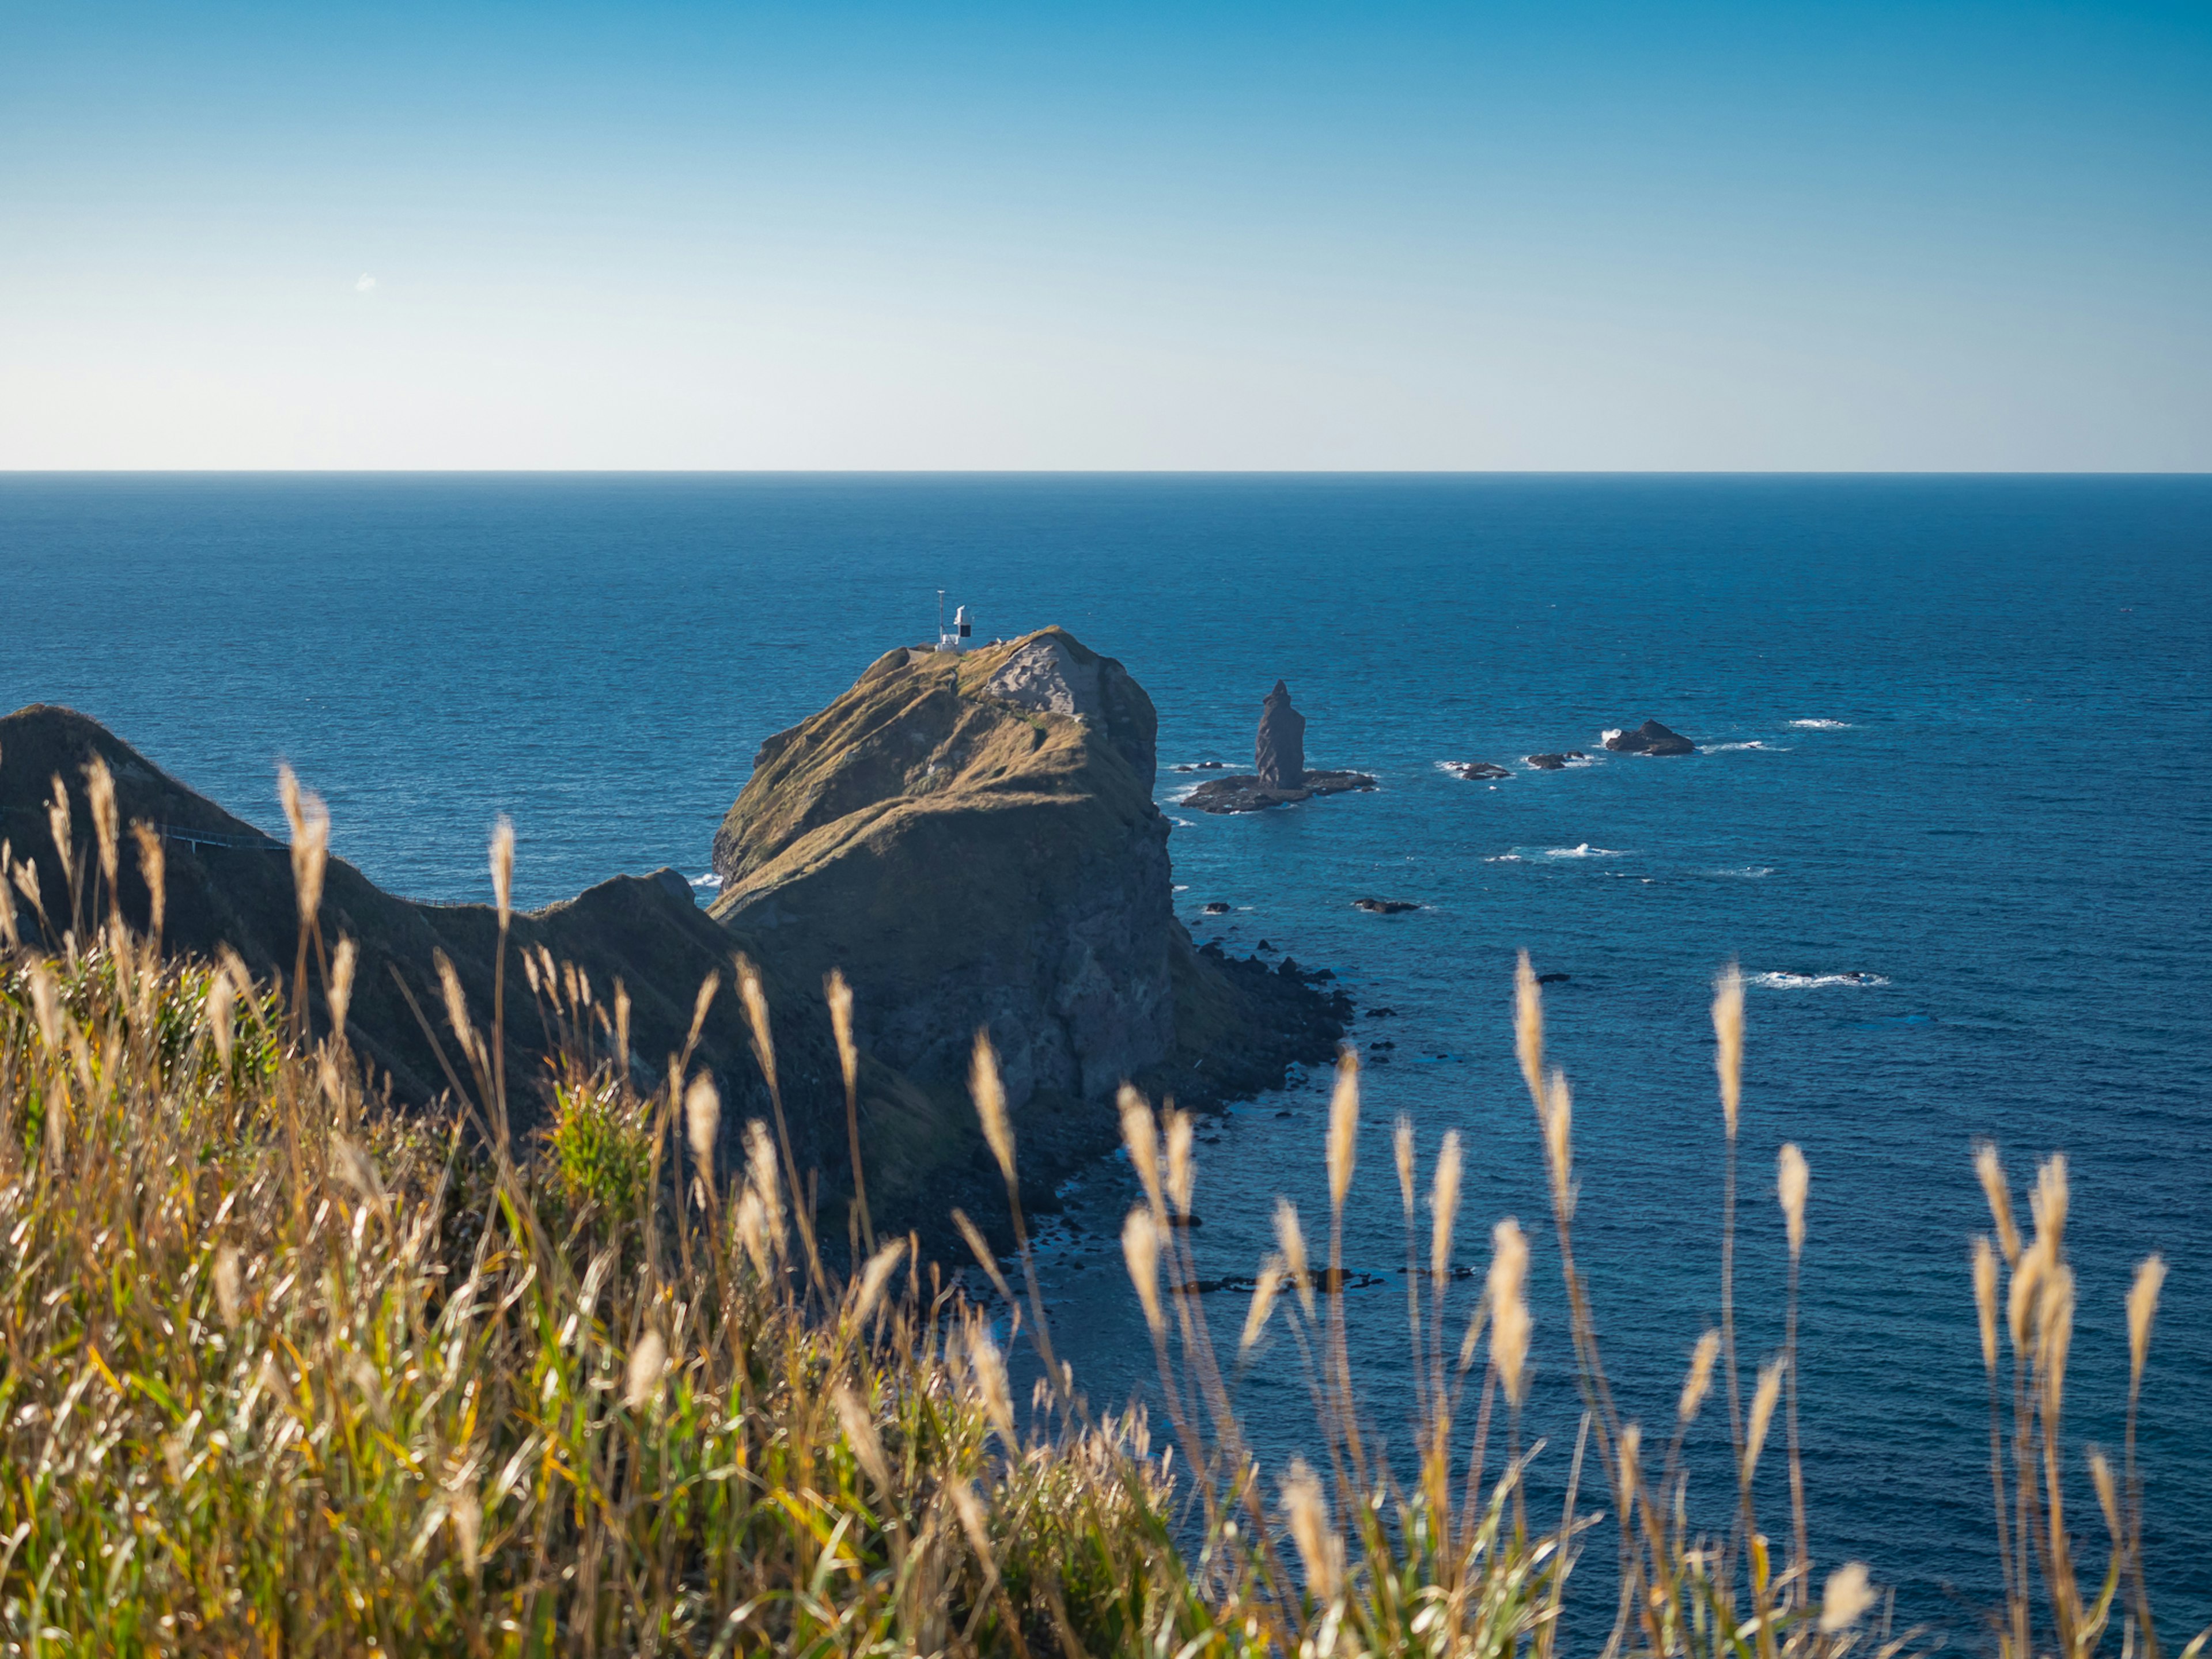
[(1251, 794), (1278, 750), (1382, 1013), (1263, 946), (1376, 907), (1553, 979), (1204, 766), (1548, 762), (1649, 738), (1476, 771), (1216, 907)]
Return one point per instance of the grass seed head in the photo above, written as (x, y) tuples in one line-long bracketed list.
[(1319, 1549), (1140, 1134), (1183, 1163), (1343, 1126), (1631, 1460), (220, 995), (860, 1433), (311, 841), (1559, 1121), (47, 1006), (1507, 1290), (840, 996), (1762, 1412), (756, 1001), (1791, 1179), (990, 1096), (751, 1223), (107, 828), (229, 1297), (989, 1369), (343, 963), (1292, 1238), (874, 1277), (467, 1516), (1728, 1032), (1990, 1170), (2142, 1308), (502, 868), (457, 1002), (59, 826), (1266, 1287), (762, 1176), (648, 1363), (1846, 1598), (1699, 1379), (152, 867), (702, 1118), (2055, 1333), (1402, 1148), (1528, 1028), (2108, 1493), (2027, 1276), (1140, 1248), (1444, 1206), (2049, 1201), (1985, 1298)]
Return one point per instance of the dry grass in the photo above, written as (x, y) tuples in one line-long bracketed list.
[(288, 1372)]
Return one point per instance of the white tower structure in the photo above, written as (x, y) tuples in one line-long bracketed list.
[(956, 637)]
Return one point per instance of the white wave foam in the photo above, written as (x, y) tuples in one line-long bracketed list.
[(1722, 748), (710, 879), (1747, 872), (1822, 726), (1774, 981), (1584, 851), (1506, 858), (1608, 735)]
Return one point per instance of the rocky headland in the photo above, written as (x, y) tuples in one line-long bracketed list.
[(969, 837)]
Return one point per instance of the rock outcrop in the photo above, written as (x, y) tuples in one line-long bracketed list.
[(972, 841), (1649, 738), (1278, 750)]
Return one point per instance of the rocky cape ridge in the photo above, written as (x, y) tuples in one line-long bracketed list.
[(969, 837)]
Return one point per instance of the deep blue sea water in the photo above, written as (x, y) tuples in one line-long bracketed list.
[(1953, 738)]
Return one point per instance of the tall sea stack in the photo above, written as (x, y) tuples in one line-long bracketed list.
[(1279, 753)]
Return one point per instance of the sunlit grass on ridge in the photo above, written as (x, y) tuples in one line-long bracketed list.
[(287, 1371)]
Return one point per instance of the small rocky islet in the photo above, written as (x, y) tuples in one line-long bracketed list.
[(1279, 775), (1649, 738)]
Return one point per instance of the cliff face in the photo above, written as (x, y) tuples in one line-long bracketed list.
[(972, 840)]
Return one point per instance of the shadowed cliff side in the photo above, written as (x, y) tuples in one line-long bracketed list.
[(972, 839)]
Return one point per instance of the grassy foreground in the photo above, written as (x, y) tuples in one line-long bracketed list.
[(285, 1372)]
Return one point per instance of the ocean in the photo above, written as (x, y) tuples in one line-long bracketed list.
[(1949, 809)]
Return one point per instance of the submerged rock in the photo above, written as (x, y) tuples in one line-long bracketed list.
[(1476, 771), (1384, 907), (1649, 738)]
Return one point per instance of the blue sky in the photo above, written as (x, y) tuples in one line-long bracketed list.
[(1474, 236)]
